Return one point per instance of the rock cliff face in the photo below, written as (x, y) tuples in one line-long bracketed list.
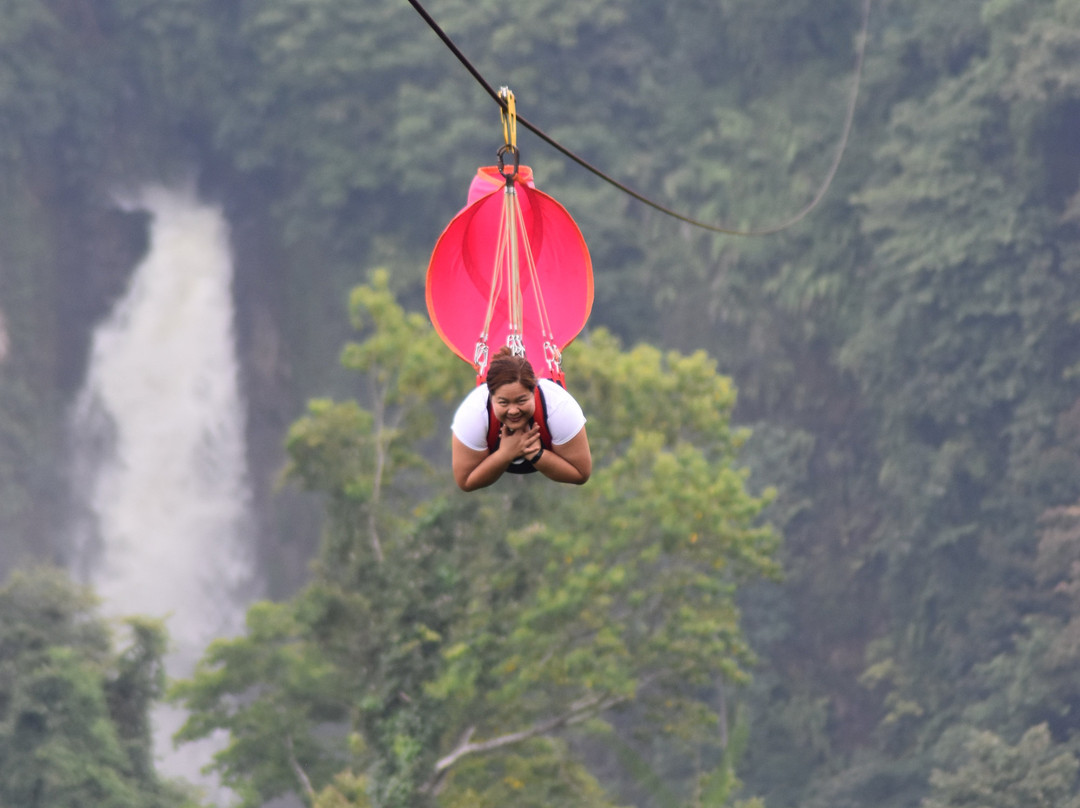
[(63, 260), (287, 522)]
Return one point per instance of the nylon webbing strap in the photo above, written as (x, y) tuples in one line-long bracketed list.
[(512, 240)]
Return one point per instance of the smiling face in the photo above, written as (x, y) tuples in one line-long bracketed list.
[(513, 404)]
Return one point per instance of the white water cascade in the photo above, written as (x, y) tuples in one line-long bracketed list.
[(160, 458)]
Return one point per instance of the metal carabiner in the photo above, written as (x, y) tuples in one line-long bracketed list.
[(514, 342), (553, 356), (480, 358), (509, 177), (509, 127)]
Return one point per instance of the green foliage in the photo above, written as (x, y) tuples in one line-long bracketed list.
[(906, 356), (55, 97), (346, 791), (74, 718), (460, 639), (135, 685), (1033, 682), (367, 460), (536, 775), (1032, 774), (959, 350), (271, 693)]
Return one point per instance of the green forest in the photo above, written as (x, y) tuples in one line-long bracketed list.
[(829, 556)]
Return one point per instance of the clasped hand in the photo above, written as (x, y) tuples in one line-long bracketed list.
[(520, 443)]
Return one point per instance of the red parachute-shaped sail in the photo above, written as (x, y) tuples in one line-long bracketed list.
[(511, 268)]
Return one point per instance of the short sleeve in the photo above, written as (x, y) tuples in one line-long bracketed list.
[(564, 415), (470, 424)]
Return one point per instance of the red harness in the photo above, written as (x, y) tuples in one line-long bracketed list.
[(539, 418)]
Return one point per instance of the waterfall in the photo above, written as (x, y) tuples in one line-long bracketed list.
[(159, 466)]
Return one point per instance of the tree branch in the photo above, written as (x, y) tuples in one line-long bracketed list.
[(380, 463), (578, 712), (722, 716), (298, 770)]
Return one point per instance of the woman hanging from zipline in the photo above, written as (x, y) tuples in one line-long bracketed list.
[(519, 424), (484, 285)]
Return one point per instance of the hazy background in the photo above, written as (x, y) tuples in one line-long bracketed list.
[(189, 188)]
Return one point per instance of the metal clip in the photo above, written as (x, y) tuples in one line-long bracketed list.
[(517, 347), (480, 358), (511, 174), (553, 356), (509, 125), (554, 362)]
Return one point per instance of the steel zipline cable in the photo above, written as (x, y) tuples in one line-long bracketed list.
[(860, 49)]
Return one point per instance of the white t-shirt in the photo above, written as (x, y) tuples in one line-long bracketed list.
[(564, 416)]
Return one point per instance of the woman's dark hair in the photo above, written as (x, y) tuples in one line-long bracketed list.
[(507, 369)]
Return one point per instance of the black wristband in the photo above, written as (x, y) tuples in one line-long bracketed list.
[(537, 456)]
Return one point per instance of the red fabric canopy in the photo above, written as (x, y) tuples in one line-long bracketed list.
[(462, 267)]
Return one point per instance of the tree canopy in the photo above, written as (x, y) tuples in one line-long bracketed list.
[(465, 646), (906, 356), (74, 711)]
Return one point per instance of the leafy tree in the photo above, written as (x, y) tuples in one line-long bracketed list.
[(961, 350), (906, 355), (457, 640), (939, 331), (1032, 774), (74, 716), (56, 97), (1033, 681)]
